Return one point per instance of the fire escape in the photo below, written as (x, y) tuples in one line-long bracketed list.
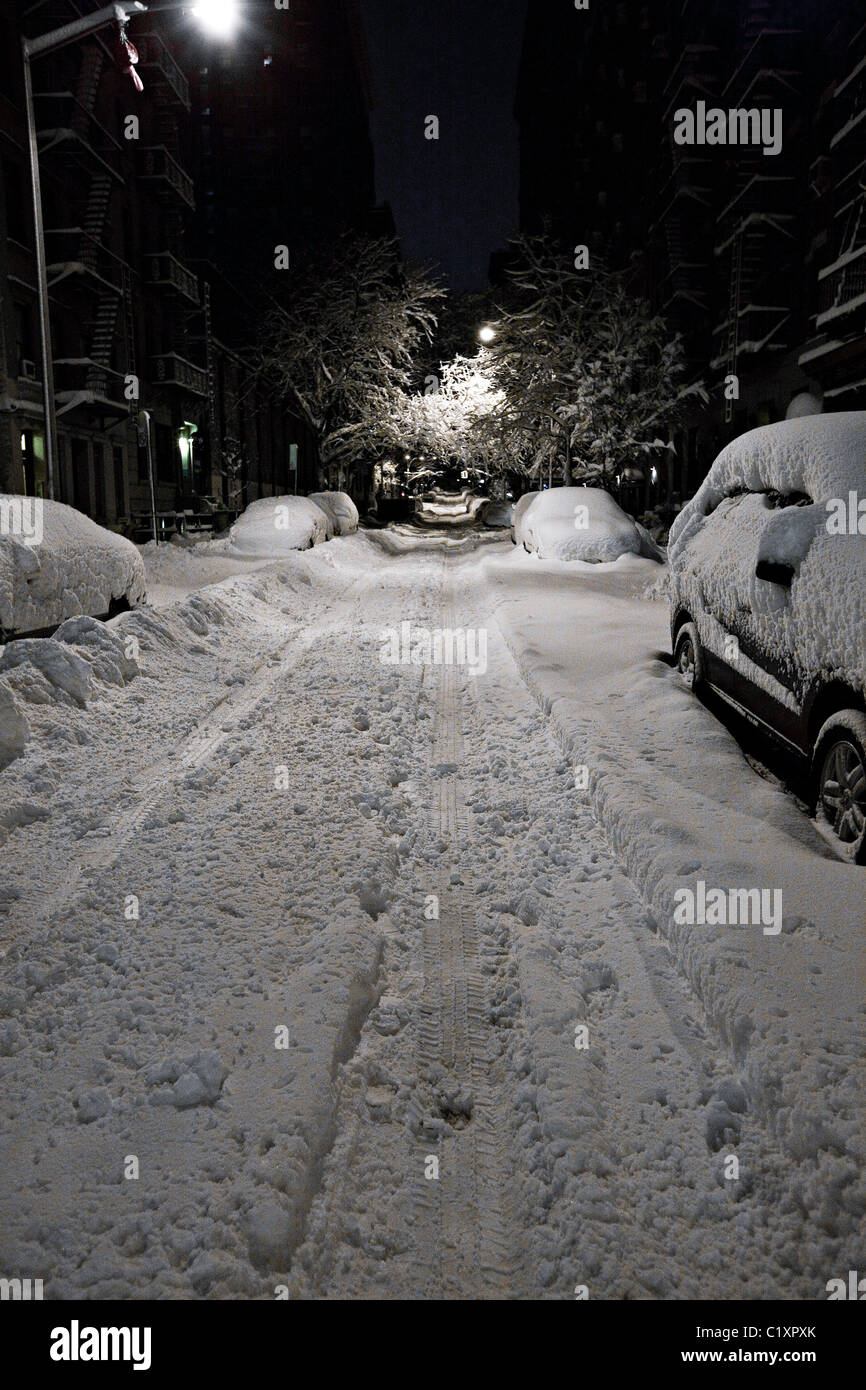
[(90, 282), (756, 237), (836, 354)]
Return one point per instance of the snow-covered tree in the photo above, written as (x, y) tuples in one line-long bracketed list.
[(448, 423), (340, 346), (590, 378)]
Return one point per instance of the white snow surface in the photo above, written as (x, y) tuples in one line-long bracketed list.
[(580, 523), (272, 526), (78, 568), (217, 952)]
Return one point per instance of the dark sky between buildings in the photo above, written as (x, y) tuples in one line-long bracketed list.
[(455, 199)]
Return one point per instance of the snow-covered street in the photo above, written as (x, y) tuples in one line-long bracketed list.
[(346, 976)]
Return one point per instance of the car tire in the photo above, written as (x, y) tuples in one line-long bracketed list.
[(839, 784), (689, 657)]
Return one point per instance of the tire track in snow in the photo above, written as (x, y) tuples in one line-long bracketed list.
[(463, 1233), (222, 722)]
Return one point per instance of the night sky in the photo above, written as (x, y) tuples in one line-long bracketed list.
[(455, 200)]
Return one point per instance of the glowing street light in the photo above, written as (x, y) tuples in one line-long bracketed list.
[(486, 334), (219, 18)]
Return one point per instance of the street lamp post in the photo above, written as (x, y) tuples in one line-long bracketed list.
[(36, 48), (216, 17)]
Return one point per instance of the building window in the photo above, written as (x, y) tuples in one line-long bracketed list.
[(33, 463), (119, 483), (166, 453), (17, 202), (99, 481), (25, 346), (80, 475)]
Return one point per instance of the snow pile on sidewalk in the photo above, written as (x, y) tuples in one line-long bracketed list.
[(340, 509), (14, 728), (173, 571), (579, 523), (449, 508), (273, 526), (76, 568), (65, 671)]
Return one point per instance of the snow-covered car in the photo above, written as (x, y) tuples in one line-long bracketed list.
[(518, 511), (55, 563), (768, 600), (580, 523), (272, 526), (341, 510)]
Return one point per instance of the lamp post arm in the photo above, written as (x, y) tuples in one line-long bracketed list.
[(80, 28)]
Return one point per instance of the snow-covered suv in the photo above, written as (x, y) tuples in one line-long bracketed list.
[(768, 600)]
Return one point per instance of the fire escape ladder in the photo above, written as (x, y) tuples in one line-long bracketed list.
[(96, 213), (102, 341), (87, 86)]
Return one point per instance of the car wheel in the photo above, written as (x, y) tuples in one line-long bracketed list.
[(839, 784), (688, 657)]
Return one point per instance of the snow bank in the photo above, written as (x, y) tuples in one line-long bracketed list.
[(14, 729), (77, 568), (273, 526), (341, 510), (580, 523), (449, 508)]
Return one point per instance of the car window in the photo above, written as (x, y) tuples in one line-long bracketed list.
[(787, 499), (771, 498)]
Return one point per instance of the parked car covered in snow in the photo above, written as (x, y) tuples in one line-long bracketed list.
[(579, 523), (272, 526), (768, 600), (55, 563), (518, 511), (341, 510)]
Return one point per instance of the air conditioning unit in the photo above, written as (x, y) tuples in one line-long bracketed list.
[(27, 368)]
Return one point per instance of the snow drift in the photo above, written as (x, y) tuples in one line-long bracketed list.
[(77, 568), (580, 523)]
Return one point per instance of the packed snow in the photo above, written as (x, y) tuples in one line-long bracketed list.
[(76, 567), (280, 922)]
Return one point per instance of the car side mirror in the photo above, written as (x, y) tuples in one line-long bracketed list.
[(775, 573)]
